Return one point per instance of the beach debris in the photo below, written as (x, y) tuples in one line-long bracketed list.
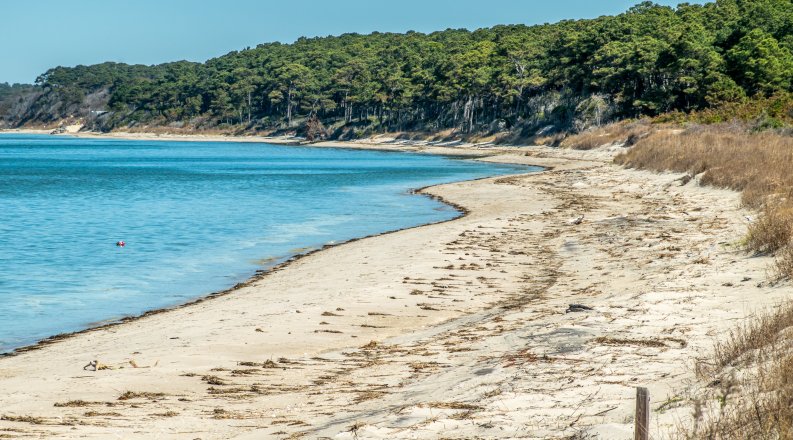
[(370, 346), (135, 364), (129, 395), (166, 414), (96, 366), (574, 308), (354, 428), (576, 221), (102, 414), (452, 405), (363, 396), (606, 340), (23, 419), (77, 404), (213, 380)]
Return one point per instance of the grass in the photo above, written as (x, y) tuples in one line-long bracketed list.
[(757, 164), (625, 133), (772, 231), (750, 372), (757, 113), (752, 336), (751, 383)]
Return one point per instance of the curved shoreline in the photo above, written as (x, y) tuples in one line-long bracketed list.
[(460, 327), (259, 274)]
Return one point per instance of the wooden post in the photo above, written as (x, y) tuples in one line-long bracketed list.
[(642, 420)]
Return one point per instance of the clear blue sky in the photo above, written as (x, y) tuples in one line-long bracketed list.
[(37, 35)]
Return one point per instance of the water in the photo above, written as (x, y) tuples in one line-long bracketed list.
[(196, 217)]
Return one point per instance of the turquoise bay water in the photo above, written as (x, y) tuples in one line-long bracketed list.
[(196, 217)]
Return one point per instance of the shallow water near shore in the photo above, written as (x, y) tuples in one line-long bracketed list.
[(197, 217)]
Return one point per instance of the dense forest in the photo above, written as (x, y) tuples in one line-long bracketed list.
[(564, 76), (14, 100)]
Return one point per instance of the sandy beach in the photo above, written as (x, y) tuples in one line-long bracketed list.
[(462, 329), (74, 131)]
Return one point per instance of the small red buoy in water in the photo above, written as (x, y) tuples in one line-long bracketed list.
[(120, 244)]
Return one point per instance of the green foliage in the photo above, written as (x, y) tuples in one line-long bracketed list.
[(649, 60), (760, 64), (13, 100), (760, 112)]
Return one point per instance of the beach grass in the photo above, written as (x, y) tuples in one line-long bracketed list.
[(749, 382), (757, 164), (749, 390)]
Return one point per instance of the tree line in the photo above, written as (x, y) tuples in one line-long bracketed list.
[(647, 61)]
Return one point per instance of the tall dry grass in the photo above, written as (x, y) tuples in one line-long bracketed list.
[(753, 336), (772, 231), (625, 133), (750, 392), (758, 164), (750, 373)]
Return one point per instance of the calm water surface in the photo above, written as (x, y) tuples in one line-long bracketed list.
[(196, 217)]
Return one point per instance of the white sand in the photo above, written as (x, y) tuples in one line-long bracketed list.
[(471, 338)]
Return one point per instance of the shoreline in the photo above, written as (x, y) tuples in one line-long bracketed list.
[(261, 273), (279, 140), (258, 275), (454, 327), (379, 143)]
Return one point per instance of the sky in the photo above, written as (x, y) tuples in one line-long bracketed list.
[(38, 35)]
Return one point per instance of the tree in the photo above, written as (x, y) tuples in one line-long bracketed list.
[(648, 60), (293, 80), (760, 64)]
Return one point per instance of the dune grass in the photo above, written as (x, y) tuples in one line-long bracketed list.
[(750, 377), (750, 371), (625, 133), (757, 164)]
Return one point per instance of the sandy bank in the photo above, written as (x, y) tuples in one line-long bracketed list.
[(161, 137), (457, 329)]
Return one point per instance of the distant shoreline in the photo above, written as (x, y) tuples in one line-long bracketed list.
[(163, 137), (484, 150)]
